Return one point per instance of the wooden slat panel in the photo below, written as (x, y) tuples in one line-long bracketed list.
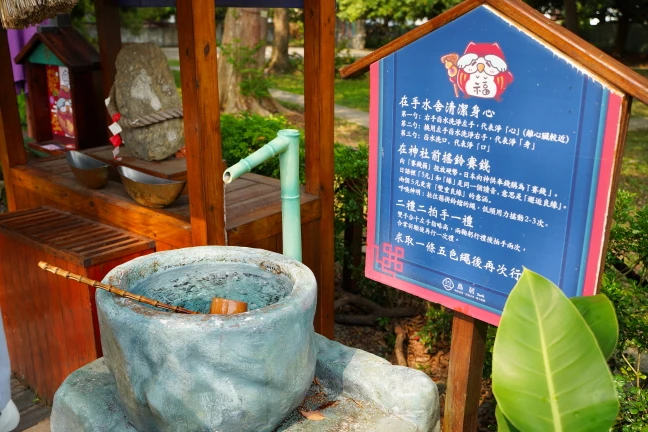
[(67, 241), (12, 309), (58, 329), (84, 318), (5, 305), (52, 372), (240, 183), (59, 233), (35, 315), (69, 302), (26, 362), (242, 195), (53, 230)]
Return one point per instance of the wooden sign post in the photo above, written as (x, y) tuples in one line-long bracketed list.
[(495, 144)]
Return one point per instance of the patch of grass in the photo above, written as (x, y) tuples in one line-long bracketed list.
[(176, 78), (639, 109), (292, 106), (173, 63), (350, 134), (351, 93), (634, 169)]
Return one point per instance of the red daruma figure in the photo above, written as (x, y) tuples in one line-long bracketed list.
[(480, 72), (483, 71)]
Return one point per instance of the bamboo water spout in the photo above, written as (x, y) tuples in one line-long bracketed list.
[(286, 145), (219, 306)]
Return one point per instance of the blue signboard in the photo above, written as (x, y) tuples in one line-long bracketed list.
[(490, 152)]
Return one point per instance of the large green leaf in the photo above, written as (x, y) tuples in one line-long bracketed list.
[(503, 424), (599, 315), (548, 371)]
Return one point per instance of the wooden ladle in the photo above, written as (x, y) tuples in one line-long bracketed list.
[(219, 306)]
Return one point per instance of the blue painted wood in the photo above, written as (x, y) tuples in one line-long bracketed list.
[(42, 55), (224, 3)]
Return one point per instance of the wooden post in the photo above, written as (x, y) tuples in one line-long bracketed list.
[(319, 74), (467, 351), (12, 152), (109, 37), (199, 73)]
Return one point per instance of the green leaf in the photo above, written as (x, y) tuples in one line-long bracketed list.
[(503, 424), (599, 315), (549, 373)]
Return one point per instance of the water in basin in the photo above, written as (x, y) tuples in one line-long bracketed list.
[(193, 286)]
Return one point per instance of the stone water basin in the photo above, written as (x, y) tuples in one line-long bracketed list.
[(243, 372), (246, 372)]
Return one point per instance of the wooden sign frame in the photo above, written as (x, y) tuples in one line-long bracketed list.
[(469, 334)]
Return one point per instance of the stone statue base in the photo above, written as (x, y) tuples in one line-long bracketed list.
[(371, 394)]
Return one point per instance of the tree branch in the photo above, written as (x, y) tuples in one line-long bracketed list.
[(374, 311), (629, 272), (401, 337)]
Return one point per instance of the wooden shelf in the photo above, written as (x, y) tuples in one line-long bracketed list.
[(252, 204)]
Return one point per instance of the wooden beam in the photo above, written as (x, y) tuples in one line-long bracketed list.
[(12, 152), (199, 76), (467, 351), (109, 36), (319, 75)]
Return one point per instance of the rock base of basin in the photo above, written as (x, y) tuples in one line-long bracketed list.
[(354, 391)]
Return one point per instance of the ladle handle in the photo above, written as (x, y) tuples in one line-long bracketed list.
[(112, 289)]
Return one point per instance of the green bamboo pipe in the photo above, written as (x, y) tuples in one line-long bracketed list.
[(286, 145)]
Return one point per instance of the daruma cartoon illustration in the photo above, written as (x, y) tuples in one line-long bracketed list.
[(482, 71)]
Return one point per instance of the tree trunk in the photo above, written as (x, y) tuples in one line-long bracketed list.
[(571, 16), (621, 39), (361, 34), (241, 84), (280, 63)]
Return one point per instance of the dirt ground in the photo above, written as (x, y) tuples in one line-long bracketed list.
[(434, 364)]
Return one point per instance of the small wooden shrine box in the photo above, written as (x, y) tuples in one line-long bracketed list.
[(64, 89)]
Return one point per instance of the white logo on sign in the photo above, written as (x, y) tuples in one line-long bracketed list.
[(448, 284), (472, 290)]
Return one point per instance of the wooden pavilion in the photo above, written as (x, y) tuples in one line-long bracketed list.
[(247, 213)]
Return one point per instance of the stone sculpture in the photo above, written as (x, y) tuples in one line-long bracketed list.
[(144, 85)]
